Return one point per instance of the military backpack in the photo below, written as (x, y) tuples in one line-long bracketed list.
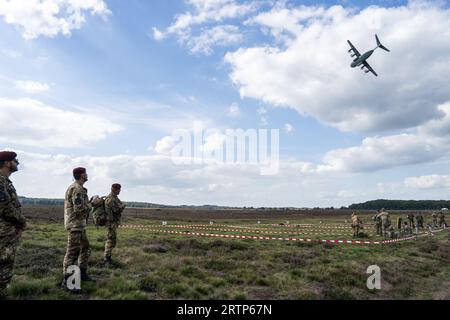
[(99, 212)]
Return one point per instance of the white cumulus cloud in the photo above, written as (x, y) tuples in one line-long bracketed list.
[(433, 181), (30, 122), (426, 144), (165, 145), (223, 35), (50, 17), (189, 27), (209, 11)]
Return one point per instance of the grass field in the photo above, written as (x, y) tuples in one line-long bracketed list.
[(154, 265)]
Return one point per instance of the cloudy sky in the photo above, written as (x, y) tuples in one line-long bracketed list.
[(105, 83)]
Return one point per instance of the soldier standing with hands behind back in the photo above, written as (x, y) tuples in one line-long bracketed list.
[(113, 208), (12, 222)]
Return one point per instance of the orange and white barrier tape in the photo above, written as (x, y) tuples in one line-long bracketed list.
[(332, 230), (260, 231), (235, 236), (316, 225)]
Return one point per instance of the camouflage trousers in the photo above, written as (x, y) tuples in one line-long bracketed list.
[(78, 250), (8, 245), (384, 229), (378, 227), (111, 239)]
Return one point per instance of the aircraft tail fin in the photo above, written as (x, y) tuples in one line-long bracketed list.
[(380, 45)]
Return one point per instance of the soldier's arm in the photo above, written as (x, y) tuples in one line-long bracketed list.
[(8, 211), (120, 206), (109, 208)]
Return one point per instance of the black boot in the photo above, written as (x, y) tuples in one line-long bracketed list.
[(85, 276)]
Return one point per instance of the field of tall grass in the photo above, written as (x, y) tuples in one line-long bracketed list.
[(165, 266)]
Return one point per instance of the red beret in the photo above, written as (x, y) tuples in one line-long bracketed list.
[(116, 186), (79, 170), (7, 155)]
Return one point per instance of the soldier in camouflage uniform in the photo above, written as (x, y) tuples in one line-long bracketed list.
[(12, 222), (442, 223), (411, 221), (113, 208), (377, 221), (434, 216), (356, 224), (77, 207), (419, 220), (399, 223), (385, 222)]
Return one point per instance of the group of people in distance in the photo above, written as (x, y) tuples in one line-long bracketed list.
[(405, 226)]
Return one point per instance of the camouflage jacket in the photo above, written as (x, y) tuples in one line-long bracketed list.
[(384, 216), (114, 208), (10, 208), (76, 207), (355, 221)]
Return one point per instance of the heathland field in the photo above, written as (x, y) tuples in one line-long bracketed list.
[(190, 258)]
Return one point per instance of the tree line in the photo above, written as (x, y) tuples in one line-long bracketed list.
[(368, 205), (401, 205)]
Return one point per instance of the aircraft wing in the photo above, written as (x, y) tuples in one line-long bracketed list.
[(354, 49), (370, 68)]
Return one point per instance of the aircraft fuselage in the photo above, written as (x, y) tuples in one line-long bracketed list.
[(359, 61)]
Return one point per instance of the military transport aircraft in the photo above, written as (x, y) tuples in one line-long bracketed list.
[(361, 60)]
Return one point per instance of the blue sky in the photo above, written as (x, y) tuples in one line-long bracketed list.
[(136, 71)]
